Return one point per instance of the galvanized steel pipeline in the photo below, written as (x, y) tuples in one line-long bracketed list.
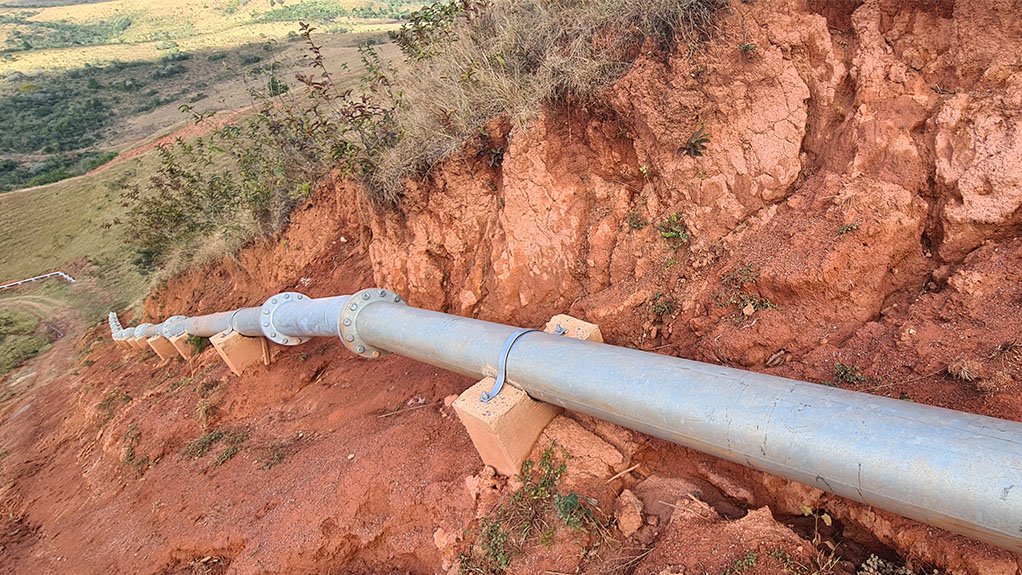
[(954, 470)]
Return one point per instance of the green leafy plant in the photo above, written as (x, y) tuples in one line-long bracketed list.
[(743, 564), (747, 48), (661, 304), (571, 511), (847, 228), (674, 230), (695, 145), (197, 343)]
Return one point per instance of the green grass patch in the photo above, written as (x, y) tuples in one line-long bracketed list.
[(201, 446), (19, 341)]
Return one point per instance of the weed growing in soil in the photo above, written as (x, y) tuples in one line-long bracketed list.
[(199, 447), (847, 374), (197, 343), (737, 289), (964, 369), (528, 515), (695, 146), (743, 564), (132, 437), (274, 455), (674, 230), (636, 221), (234, 439), (847, 228), (111, 402), (661, 304)]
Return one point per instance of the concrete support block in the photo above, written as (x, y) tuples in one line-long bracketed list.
[(138, 343), (240, 352), (505, 429), (162, 347), (183, 346)]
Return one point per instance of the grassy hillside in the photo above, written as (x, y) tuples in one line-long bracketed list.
[(79, 81), (85, 93)]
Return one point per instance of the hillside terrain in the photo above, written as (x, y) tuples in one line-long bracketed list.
[(82, 81), (825, 191)]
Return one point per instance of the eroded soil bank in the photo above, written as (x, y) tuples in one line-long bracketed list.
[(854, 219)]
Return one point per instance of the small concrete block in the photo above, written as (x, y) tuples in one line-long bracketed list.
[(574, 328), (240, 352), (162, 347), (505, 429), (182, 345), (138, 343)]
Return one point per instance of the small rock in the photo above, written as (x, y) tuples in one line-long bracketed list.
[(628, 512), (748, 310), (351, 456), (449, 400)]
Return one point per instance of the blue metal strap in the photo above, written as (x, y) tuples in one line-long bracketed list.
[(502, 365)]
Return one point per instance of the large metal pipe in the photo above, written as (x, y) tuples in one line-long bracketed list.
[(309, 318), (954, 470), (209, 325)]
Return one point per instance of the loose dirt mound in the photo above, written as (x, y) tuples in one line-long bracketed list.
[(854, 219)]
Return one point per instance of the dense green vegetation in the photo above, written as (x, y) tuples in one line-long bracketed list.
[(325, 11), (53, 169), (32, 34), (18, 339), (58, 119)]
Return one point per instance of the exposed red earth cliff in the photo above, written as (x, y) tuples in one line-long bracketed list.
[(859, 203)]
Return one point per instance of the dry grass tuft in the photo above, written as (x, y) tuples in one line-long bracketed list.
[(999, 381), (964, 369), (513, 56)]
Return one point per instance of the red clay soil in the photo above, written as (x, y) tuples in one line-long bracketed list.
[(860, 203)]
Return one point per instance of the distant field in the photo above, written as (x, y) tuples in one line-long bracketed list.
[(38, 36), (79, 81)]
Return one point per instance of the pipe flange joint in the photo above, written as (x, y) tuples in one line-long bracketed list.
[(140, 330), (173, 326), (349, 326), (266, 312)]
